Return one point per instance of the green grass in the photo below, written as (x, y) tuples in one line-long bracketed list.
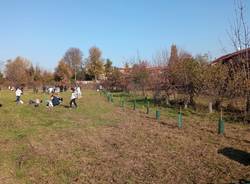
[(21, 124), (172, 111), (166, 112)]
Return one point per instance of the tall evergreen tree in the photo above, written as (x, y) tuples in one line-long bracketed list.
[(108, 67)]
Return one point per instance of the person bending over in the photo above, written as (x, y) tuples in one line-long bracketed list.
[(35, 102), (54, 101)]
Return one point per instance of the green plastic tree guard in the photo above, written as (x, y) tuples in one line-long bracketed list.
[(179, 120), (111, 98), (122, 102), (157, 114), (145, 100), (147, 107), (221, 126), (134, 105)]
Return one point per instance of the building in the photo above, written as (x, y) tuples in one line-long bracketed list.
[(233, 57)]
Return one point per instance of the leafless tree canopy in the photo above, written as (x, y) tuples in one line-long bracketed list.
[(239, 30), (73, 57)]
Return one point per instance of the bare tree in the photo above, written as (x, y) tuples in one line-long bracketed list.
[(73, 57), (161, 58), (140, 76), (187, 77), (159, 80), (216, 83), (239, 30), (239, 35)]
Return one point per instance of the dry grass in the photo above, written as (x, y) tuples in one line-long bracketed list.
[(101, 143)]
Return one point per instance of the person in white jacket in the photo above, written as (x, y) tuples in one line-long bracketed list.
[(73, 98), (18, 95)]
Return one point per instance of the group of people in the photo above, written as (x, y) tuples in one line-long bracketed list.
[(54, 89), (54, 100)]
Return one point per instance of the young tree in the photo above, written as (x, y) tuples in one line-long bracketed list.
[(140, 76), (94, 63), (73, 58), (156, 83), (125, 81), (187, 76), (216, 83), (159, 82), (114, 80)]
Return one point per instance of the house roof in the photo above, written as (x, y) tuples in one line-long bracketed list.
[(227, 57)]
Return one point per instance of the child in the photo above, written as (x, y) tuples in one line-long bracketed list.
[(54, 101), (35, 102), (79, 93), (73, 98), (18, 95)]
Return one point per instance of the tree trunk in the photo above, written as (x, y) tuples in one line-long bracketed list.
[(210, 107), (192, 102), (167, 101), (248, 104), (247, 109), (143, 92)]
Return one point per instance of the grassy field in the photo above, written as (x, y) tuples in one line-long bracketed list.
[(99, 142)]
